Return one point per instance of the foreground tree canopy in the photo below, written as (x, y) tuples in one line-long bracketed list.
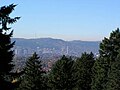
[(84, 66), (6, 52), (33, 76), (62, 75), (104, 66)]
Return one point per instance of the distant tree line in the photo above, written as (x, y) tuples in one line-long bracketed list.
[(85, 73)]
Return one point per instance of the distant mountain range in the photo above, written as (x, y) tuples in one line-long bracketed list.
[(54, 46)]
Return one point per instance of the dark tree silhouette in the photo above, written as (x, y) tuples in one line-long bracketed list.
[(62, 75), (6, 52), (84, 66), (33, 78), (109, 50)]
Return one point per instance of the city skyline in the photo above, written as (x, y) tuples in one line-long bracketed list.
[(88, 20)]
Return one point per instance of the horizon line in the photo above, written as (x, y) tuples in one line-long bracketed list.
[(55, 38)]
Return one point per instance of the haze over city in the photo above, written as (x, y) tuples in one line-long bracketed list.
[(89, 20)]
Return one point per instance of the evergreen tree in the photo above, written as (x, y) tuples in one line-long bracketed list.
[(33, 77), (114, 76), (62, 74), (109, 49), (84, 66), (6, 52)]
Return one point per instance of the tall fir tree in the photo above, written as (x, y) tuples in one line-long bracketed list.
[(62, 75), (84, 66), (33, 78), (6, 52), (109, 49), (114, 75)]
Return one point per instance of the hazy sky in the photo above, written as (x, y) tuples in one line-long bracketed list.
[(65, 19)]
